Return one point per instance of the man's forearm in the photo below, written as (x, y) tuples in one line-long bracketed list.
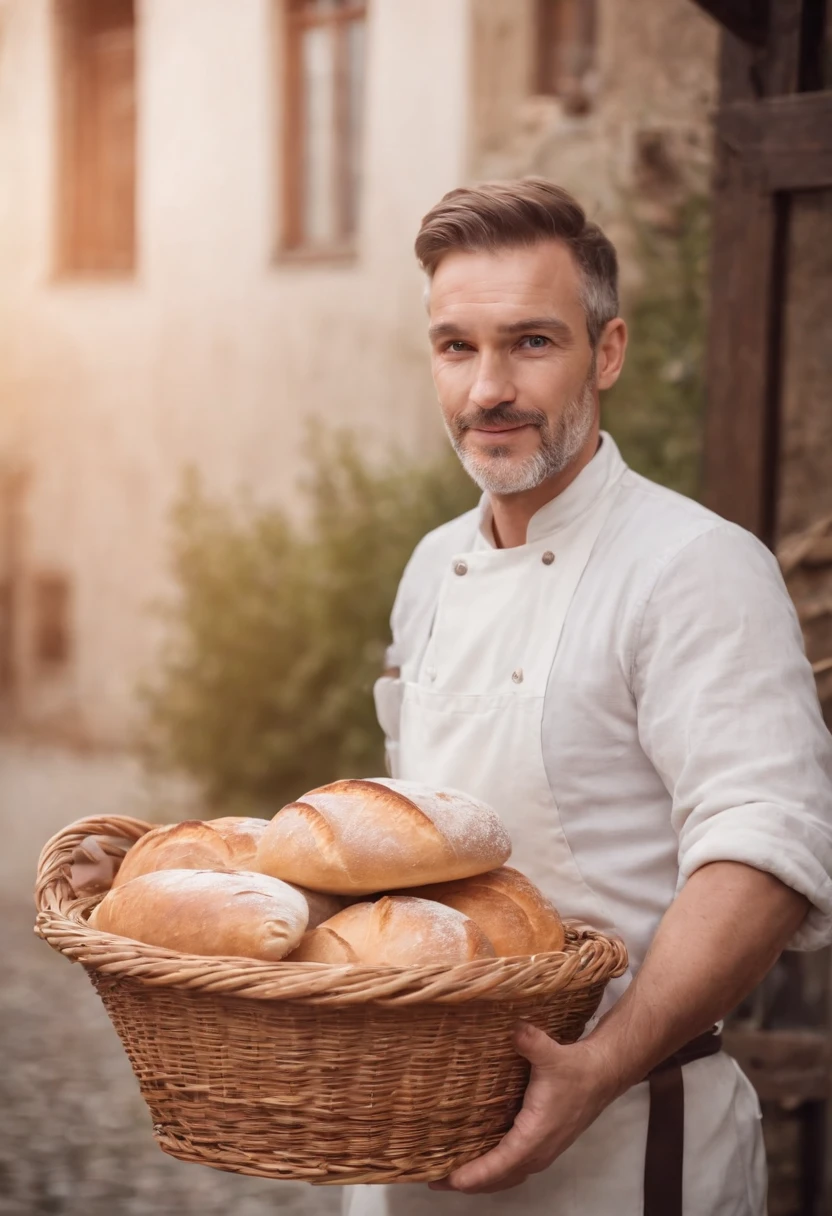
[(715, 943)]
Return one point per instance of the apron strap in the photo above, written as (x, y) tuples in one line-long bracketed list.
[(666, 1126)]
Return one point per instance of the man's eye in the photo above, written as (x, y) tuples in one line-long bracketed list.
[(457, 347), (536, 341)]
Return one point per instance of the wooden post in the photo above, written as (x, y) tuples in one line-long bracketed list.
[(750, 225), (739, 431)]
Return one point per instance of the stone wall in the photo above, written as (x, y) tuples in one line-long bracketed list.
[(644, 140)]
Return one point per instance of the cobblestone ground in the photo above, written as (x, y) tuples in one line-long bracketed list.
[(75, 1137)]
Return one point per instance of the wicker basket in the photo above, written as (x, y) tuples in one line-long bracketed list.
[(317, 1072)]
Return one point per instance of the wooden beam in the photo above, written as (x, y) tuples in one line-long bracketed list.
[(748, 253), (789, 1066), (783, 43), (784, 142), (740, 422), (746, 19), (739, 431)]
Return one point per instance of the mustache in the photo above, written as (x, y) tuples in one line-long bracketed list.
[(500, 415)]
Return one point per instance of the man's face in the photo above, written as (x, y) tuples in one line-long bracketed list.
[(512, 363)]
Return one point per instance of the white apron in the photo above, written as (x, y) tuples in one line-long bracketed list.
[(466, 713)]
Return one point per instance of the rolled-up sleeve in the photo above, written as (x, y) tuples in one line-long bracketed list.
[(729, 717)]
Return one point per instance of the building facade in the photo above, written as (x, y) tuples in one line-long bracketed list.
[(207, 210)]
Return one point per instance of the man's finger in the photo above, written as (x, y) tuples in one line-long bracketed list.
[(535, 1045), (505, 1184), (522, 1150), (507, 1157)]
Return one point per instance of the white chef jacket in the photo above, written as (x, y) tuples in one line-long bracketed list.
[(681, 724)]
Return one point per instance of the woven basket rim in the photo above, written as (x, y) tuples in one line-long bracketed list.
[(589, 958)]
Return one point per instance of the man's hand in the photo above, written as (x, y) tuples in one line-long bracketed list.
[(717, 940), (568, 1089)]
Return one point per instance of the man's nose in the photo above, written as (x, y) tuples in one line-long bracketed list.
[(492, 386)]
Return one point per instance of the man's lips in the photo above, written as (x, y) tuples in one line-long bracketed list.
[(500, 430)]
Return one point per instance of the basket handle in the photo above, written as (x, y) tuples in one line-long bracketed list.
[(115, 833)]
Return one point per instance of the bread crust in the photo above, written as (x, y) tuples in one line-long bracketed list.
[(206, 912), (358, 837), (513, 913), (403, 931), (322, 945), (228, 843)]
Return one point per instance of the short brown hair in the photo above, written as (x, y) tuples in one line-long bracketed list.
[(502, 215)]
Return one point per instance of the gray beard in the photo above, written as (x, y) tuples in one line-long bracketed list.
[(494, 471)]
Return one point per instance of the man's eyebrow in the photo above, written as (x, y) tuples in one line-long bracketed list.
[(554, 325), (535, 324), (444, 329)]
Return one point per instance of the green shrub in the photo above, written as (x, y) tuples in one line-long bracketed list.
[(279, 628), (655, 412)]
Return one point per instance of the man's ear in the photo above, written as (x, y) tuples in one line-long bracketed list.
[(612, 347)]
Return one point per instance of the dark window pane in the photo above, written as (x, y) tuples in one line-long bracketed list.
[(51, 619)]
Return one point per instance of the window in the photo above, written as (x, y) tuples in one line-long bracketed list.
[(14, 484), (51, 600), (6, 638), (565, 62), (97, 135), (323, 124)]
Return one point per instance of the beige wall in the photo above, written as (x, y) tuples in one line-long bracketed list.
[(214, 354)]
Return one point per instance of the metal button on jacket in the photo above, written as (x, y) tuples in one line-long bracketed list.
[(548, 557), (460, 567), (517, 675)]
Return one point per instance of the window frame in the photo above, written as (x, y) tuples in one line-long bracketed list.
[(296, 19), (74, 256)]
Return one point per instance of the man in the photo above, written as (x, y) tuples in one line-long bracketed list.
[(621, 674)]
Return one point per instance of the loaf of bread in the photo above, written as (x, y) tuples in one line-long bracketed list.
[(206, 912), (360, 837), (212, 844), (352, 926), (322, 945), (228, 845), (401, 931), (513, 913)]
